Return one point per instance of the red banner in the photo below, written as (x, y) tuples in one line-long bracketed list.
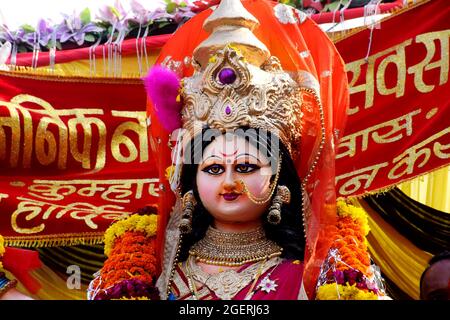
[(74, 156), (75, 152), (399, 119)]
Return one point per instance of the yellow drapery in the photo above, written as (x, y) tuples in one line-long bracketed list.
[(399, 259), (432, 189)]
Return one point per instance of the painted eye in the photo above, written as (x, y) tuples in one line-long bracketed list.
[(214, 169), (246, 167)]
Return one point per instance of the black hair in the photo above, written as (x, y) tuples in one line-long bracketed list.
[(444, 255), (289, 233)]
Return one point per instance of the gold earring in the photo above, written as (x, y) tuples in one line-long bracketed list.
[(283, 196), (188, 205)]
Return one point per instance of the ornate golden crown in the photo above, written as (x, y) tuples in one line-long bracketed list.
[(236, 83)]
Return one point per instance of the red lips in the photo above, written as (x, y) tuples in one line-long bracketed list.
[(230, 196)]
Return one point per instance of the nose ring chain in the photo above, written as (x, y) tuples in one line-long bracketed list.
[(265, 199)]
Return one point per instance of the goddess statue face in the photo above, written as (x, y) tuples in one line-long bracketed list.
[(227, 162)]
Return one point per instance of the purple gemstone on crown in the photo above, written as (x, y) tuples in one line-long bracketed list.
[(227, 76), (228, 110)]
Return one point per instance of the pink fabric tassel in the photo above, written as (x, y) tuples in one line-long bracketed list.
[(162, 86)]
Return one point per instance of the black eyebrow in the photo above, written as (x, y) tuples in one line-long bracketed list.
[(212, 156), (247, 154)]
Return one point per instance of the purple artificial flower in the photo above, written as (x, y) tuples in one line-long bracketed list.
[(129, 285), (45, 32), (16, 37), (183, 14), (361, 285), (74, 29), (131, 288), (117, 16), (351, 276), (339, 277), (146, 12), (116, 291), (106, 13), (180, 10), (187, 3)]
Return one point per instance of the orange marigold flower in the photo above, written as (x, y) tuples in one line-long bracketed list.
[(132, 256)]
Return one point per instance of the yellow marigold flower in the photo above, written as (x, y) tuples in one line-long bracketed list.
[(333, 291), (357, 214), (363, 295), (328, 291), (145, 223)]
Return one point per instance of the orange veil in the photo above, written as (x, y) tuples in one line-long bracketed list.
[(311, 58)]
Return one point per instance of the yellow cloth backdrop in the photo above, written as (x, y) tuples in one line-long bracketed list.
[(431, 189), (399, 259)]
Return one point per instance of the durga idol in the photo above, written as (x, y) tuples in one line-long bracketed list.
[(246, 103)]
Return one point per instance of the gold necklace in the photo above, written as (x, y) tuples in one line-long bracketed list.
[(234, 249)]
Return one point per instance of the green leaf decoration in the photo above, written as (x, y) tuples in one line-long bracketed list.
[(171, 7), (163, 24), (89, 38), (331, 6), (27, 28), (85, 16)]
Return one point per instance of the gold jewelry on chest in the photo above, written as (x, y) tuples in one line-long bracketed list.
[(234, 249), (228, 283)]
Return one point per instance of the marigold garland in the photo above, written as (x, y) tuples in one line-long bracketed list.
[(357, 215), (347, 270), (146, 224), (350, 240), (131, 268), (333, 291)]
